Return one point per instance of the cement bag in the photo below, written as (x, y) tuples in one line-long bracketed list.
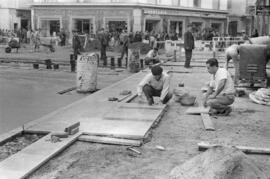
[(133, 60), (87, 66), (232, 51)]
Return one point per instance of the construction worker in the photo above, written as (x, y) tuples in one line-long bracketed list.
[(152, 57), (220, 93), (156, 83)]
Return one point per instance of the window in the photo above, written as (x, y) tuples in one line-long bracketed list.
[(216, 4), (84, 26), (49, 27), (197, 3)]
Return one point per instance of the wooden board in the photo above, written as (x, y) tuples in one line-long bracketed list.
[(142, 106), (197, 110), (207, 122), (110, 140), (250, 150)]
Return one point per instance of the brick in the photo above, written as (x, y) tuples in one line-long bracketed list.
[(73, 126), (74, 131)]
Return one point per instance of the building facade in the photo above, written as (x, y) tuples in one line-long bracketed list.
[(88, 16), (15, 14)]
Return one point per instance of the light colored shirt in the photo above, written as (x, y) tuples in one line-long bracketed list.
[(222, 74), (162, 84), (151, 54)]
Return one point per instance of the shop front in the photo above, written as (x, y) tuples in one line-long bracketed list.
[(49, 26)]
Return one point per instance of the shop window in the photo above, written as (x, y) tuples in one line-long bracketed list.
[(176, 2), (197, 30), (49, 27), (151, 25), (197, 3), (216, 4), (83, 26), (216, 27), (176, 27), (116, 26)]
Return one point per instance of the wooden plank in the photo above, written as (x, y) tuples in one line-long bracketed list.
[(197, 110), (141, 106), (246, 149), (207, 122), (110, 140)]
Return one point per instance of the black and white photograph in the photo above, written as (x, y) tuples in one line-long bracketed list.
[(134, 89)]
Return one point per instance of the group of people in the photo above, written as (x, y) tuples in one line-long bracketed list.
[(219, 96)]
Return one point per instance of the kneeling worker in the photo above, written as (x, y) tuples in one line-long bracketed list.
[(220, 93), (152, 57), (156, 83)]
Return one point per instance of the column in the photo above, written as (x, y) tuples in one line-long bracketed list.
[(137, 20)]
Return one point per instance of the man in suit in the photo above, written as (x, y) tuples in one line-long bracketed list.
[(188, 45)]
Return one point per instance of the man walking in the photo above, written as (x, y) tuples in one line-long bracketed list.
[(76, 44), (188, 45), (220, 93)]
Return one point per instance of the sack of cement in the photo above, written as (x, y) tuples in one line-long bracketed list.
[(261, 40), (218, 163), (261, 96)]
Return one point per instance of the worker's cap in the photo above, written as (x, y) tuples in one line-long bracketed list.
[(156, 70)]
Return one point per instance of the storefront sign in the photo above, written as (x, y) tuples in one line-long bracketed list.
[(180, 13)]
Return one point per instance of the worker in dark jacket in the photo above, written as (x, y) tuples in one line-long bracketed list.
[(188, 45), (76, 44)]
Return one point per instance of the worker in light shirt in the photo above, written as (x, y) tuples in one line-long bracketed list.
[(156, 83), (221, 92), (152, 57)]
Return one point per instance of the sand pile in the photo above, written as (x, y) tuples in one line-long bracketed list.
[(219, 163)]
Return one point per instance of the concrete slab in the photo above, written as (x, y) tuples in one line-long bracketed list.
[(21, 164)]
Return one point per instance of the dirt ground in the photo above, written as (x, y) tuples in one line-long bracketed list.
[(248, 125)]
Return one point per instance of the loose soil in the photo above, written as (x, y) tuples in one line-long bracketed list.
[(16, 144)]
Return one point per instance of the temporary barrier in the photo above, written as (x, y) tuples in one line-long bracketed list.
[(87, 66), (171, 46)]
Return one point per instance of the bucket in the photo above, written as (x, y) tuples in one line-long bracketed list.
[(87, 66)]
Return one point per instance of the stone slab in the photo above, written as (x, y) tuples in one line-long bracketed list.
[(21, 164), (207, 122)]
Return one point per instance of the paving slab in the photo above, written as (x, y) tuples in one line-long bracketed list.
[(21, 164)]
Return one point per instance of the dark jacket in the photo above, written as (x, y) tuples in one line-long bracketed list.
[(76, 43), (188, 41)]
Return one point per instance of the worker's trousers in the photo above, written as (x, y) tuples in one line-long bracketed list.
[(221, 101), (150, 92), (188, 54)]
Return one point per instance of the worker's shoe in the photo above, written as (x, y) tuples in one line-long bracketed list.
[(150, 102), (220, 112)]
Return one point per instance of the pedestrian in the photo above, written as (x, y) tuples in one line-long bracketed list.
[(156, 83), (62, 37), (124, 51), (76, 44), (103, 39), (28, 36), (37, 41), (188, 45), (220, 93)]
